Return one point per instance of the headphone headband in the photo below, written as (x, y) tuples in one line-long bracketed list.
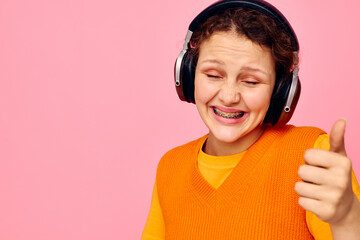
[(257, 5)]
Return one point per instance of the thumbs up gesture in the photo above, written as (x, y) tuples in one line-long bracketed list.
[(327, 190)]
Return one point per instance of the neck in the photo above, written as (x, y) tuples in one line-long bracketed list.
[(215, 147)]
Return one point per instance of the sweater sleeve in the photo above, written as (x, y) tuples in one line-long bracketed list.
[(319, 229), (155, 226)]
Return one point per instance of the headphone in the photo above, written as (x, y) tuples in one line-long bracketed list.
[(282, 103)]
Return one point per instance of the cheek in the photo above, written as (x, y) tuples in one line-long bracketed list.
[(204, 91), (259, 101)]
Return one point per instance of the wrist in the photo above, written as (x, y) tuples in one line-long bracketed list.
[(348, 227)]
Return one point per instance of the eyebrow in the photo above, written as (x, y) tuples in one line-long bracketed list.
[(252, 69), (212, 61), (246, 68)]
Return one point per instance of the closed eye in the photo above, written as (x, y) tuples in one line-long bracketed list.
[(212, 76), (251, 82)]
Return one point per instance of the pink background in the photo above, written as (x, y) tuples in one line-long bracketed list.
[(88, 105)]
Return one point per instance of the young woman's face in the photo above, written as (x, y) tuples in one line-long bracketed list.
[(234, 80)]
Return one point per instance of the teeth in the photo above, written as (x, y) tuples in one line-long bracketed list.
[(228, 115)]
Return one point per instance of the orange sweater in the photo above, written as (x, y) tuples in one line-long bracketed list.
[(256, 201)]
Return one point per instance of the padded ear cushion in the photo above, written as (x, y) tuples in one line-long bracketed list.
[(285, 116), (278, 100), (187, 76), (179, 85)]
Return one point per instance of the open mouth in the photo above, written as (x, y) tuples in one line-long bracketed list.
[(232, 115)]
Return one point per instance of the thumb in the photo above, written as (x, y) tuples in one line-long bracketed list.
[(337, 137)]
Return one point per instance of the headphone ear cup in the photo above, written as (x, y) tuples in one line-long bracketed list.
[(185, 90), (276, 114), (286, 115)]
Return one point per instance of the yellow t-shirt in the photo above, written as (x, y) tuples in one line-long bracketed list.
[(215, 170)]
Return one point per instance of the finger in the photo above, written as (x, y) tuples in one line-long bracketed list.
[(309, 190), (322, 210), (337, 137), (323, 158), (312, 205), (314, 174)]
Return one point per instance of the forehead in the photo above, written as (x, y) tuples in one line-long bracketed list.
[(232, 48), (233, 40)]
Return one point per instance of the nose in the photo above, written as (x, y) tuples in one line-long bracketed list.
[(229, 93)]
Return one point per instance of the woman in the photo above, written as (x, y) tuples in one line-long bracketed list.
[(243, 179)]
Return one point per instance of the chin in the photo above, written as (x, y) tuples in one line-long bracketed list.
[(231, 134), (228, 136)]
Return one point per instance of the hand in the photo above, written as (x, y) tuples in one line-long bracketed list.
[(327, 190)]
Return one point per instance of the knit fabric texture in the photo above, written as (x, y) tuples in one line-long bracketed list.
[(256, 201)]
